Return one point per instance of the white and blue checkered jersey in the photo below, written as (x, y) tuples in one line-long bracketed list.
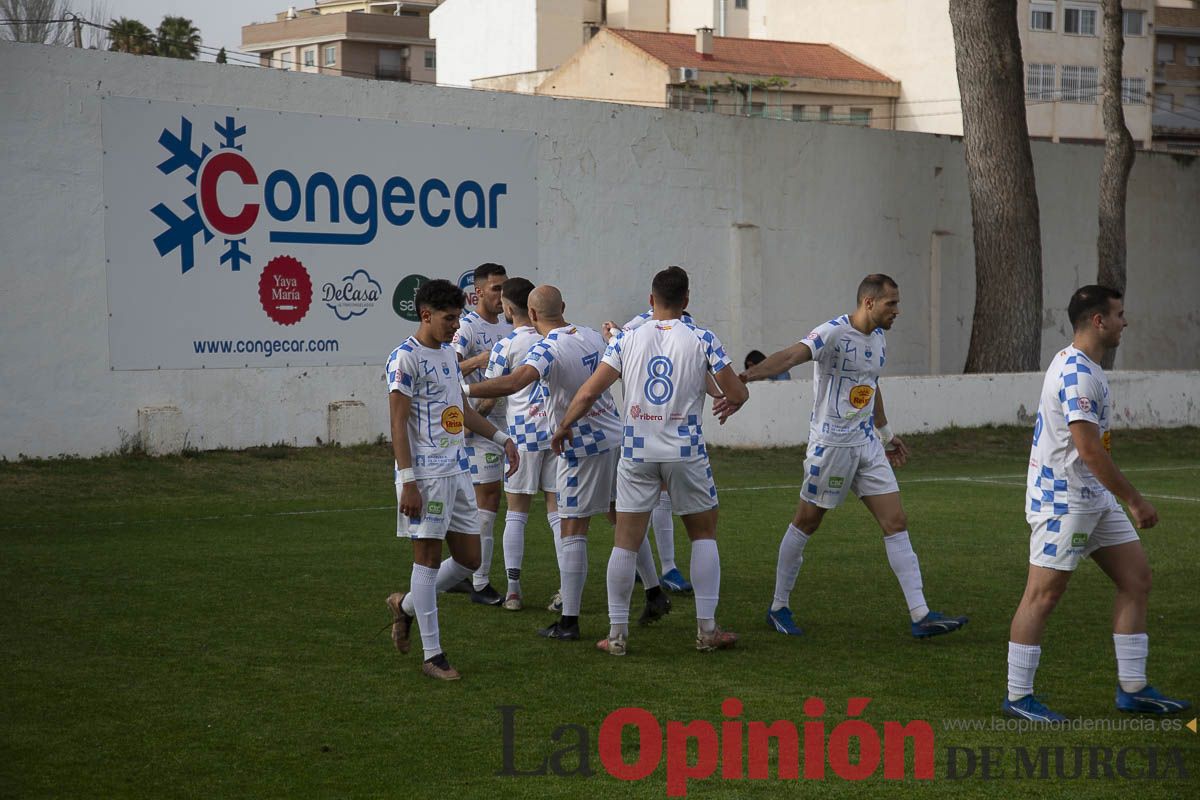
[(664, 365), (476, 335), (846, 369), (1059, 483), (527, 415), (432, 379), (565, 359), (646, 316)]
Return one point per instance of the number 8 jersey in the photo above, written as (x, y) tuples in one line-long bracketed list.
[(664, 365)]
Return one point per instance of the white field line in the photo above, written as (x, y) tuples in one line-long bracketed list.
[(992, 480)]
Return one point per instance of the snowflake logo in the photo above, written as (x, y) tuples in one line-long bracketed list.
[(193, 159)]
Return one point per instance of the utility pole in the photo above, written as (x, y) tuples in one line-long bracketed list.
[(77, 28)]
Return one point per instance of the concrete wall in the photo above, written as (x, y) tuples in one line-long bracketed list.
[(778, 412), (775, 221), (482, 38)]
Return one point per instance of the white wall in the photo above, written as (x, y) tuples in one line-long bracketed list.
[(777, 414), (482, 38), (775, 221)]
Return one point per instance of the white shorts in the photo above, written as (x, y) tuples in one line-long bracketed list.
[(537, 472), (486, 459), (830, 472), (689, 483), (448, 506), (1061, 542), (586, 485)]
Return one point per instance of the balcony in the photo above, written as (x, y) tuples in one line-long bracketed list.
[(379, 28)]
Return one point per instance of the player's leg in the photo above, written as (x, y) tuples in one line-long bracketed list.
[(550, 483), (663, 523), (694, 494), (1125, 563), (637, 486), (824, 488), (515, 519), (584, 487), (875, 483), (487, 496)]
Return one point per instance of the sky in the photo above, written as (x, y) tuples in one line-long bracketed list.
[(220, 21)]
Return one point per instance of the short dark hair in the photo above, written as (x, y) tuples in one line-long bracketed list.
[(671, 286), (754, 357), (873, 285), (485, 271), (516, 291), (1089, 300), (440, 295)]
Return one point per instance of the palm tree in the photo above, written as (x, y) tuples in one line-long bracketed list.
[(130, 36), (178, 38)]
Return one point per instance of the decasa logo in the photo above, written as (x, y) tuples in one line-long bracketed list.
[(299, 205), (352, 296)]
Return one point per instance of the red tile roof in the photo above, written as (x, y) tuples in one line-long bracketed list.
[(763, 57)]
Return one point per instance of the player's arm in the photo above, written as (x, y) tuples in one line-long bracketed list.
[(893, 445), (477, 361), (399, 407), (604, 377), (477, 423), (609, 329), (504, 385), (777, 362), (1086, 438), (734, 393)]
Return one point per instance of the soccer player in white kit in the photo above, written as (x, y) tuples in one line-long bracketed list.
[(1071, 506), (434, 498), (665, 365), (562, 361), (845, 450), (528, 419), (661, 519), (478, 332)]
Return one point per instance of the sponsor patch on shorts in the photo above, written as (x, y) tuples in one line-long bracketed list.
[(1078, 539), (836, 482)]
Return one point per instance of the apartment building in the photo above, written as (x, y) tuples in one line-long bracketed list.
[(727, 75), (351, 38), (1176, 116)]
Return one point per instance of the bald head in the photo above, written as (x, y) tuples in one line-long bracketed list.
[(546, 301)]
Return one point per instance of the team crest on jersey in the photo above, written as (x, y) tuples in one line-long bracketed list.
[(452, 420), (860, 396), (1085, 404)]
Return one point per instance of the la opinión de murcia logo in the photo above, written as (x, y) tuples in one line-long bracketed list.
[(316, 209)]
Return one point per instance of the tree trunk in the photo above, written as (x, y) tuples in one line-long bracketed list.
[(1118, 161), (1006, 331)]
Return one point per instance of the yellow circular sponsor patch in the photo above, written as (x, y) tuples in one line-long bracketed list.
[(860, 396), (452, 419)]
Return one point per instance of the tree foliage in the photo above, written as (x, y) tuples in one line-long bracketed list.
[(131, 36), (35, 21), (178, 38)]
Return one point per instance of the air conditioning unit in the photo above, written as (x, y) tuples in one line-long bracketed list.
[(687, 74), (404, 51)]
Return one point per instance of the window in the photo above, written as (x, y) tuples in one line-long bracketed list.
[(1041, 16), (430, 58), (1079, 84), (758, 109), (284, 58), (1079, 20), (1134, 23), (1164, 102), (860, 116), (1165, 53), (1039, 81), (1192, 102), (741, 4), (798, 113), (310, 57), (331, 55), (826, 113), (1192, 55), (1133, 91)]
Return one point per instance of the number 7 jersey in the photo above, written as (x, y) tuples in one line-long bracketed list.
[(664, 365)]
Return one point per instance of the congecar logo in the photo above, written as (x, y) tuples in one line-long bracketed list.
[(233, 200)]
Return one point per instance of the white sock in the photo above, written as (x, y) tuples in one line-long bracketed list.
[(422, 597), (487, 542), (621, 566), (664, 531), (450, 573), (1132, 649), (574, 573), (556, 531), (1022, 666), (706, 579), (645, 564), (514, 548), (791, 556), (908, 571)]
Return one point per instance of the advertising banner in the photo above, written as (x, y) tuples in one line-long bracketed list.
[(242, 237)]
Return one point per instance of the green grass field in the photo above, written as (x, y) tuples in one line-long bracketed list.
[(210, 626)]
